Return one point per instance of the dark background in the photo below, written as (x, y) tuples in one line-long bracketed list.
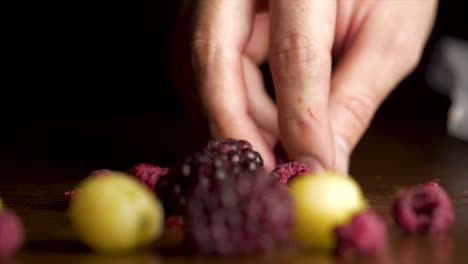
[(89, 84)]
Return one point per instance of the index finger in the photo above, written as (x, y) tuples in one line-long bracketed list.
[(220, 33), (300, 55)]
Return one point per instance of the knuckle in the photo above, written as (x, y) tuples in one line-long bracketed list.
[(297, 54), (203, 43), (301, 120), (405, 50)]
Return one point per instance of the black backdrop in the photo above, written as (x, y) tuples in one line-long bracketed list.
[(89, 83)]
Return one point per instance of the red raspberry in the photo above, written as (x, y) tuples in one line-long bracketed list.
[(425, 208), (70, 194), (174, 221), (432, 184), (148, 174), (283, 173), (366, 233), (99, 172), (11, 232)]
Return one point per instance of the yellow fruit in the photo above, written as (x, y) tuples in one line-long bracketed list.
[(322, 201), (115, 213)]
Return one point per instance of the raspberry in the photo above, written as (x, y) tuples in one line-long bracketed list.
[(238, 214), (11, 232), (68, 195), (432, 184), (218, 158), (174, 221), (366, 233), (99, 172), (148, 174), (425, 208), (283, 173)]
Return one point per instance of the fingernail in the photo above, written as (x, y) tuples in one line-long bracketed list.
[(342, 151), (312, 162)]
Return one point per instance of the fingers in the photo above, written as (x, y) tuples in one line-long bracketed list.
[(257, 46), (377, 60), (300, 56), (261, 107), (218, 40)]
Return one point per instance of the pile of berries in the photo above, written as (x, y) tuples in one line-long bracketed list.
[(230, 204), (225, 203)]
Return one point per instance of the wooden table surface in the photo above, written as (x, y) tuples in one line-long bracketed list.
[(386, 159)]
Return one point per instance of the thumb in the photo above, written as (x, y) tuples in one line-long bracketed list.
[(364, 77)]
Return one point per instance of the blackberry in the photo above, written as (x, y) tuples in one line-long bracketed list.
[(219, 158), (227, 145), (283, 173), (425, 208), (239, 214), (148, 174)]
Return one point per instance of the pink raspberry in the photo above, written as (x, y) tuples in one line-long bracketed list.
[(11, 233), (425, 208), (148, 174), (99, 172), (283, 173), (432, 184), (366, 233)]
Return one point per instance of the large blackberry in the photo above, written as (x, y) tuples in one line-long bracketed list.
[(237, 214), (219, 158)]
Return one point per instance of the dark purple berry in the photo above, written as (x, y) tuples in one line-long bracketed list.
[(219, 158), (425, 208), (11, 232), (148, 174), (240, 214), (283, 173), (365, 234)]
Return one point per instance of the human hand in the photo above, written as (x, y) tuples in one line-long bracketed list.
[(321, 112)]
